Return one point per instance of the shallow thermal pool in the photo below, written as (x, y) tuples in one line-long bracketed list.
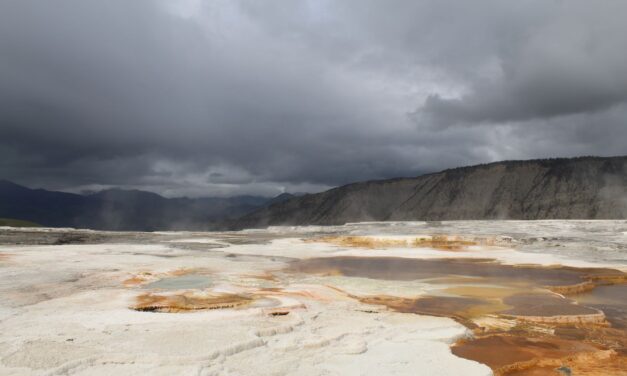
[(189, 281)]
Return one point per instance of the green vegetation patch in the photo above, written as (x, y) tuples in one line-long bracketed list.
[(17, 223)]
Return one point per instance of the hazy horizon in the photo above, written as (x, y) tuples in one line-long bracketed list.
[(96, 189)]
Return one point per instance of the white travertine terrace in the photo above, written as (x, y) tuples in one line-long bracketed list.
[(66, 309)]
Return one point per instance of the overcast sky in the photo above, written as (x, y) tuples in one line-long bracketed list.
[(228, 97)]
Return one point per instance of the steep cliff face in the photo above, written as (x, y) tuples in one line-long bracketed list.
[(578, 188)]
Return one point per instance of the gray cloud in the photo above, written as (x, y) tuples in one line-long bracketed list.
[(233, 97), (569, 64)]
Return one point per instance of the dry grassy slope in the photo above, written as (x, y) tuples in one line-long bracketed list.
[(578, 188)]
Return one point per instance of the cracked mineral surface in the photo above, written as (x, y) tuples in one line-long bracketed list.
[(403, 298)]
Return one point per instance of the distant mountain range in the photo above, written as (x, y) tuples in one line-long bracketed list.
[(117, 209), (576, 188)]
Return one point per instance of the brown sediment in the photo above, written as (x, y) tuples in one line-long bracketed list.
[(134, 281), (560, 278), (591, 282), (523, 323), (278, 291), (5, 256), (552, 309), (264, 276), (534, 308), (279, 313), (550, 332), (611, 299), (483, 292), (605, 337), (186, 271), (501, 351), (187, 302), (454, 280), (606, 363), (139, 279), (460, 309), (513, 355), (573, 289), (441, 242), (614, 279), (500, 293), (591, 319)]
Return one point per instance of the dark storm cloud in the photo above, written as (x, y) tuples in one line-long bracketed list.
[(229, 97)]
